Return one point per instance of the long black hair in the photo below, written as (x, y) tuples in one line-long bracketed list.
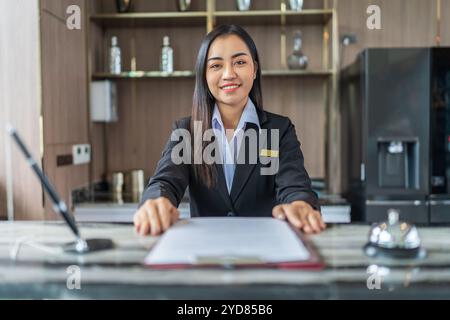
[(203, 100)]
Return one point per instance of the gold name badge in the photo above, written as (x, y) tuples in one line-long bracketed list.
[(269, 153)]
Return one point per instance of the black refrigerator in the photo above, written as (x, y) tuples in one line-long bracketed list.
[(395, 112)]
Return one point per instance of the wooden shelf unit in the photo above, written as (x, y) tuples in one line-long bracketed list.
[(191, 74), (207, 16)]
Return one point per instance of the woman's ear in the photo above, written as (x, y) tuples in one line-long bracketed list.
[(256, 69)]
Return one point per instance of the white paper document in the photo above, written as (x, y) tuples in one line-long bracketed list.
[(229, 240)]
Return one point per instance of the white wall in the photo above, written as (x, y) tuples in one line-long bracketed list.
[(20, 104)]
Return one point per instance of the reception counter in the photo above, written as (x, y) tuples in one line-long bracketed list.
[(32, 265), (123, 213)]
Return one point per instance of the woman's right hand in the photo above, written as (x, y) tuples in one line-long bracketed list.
[(155, 216)]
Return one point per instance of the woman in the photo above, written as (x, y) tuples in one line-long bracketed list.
[(228, 100)]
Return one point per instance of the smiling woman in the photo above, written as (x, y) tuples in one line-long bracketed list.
[(232, 76), (228, 99), (226, 75)]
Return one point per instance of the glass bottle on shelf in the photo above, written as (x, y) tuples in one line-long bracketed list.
[(297, 60), (166, 59), (115, 66)]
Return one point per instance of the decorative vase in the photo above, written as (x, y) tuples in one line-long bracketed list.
[(297, 60), (183, 5), (123, 5), (243, 5)]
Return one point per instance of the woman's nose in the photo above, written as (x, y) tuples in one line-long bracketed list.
[(229, 72)]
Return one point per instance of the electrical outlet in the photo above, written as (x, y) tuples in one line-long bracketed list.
[(81, 153), (347, 39)]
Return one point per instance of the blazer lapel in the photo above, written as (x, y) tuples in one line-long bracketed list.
[(243, 171), (222, 187)]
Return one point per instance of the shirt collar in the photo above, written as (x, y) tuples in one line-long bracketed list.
[(249, 115)]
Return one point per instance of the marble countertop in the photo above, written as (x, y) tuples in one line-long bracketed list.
[(32, 265), (110, 212)]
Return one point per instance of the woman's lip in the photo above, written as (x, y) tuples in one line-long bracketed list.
[(231, 89)]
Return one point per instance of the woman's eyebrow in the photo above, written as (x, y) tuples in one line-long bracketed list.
[(233, 56)]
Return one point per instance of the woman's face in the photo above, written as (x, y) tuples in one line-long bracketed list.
[(230, 70)]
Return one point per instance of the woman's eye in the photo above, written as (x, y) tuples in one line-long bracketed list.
[(240, 62), (215, 66)]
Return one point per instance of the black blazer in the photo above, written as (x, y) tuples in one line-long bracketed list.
[(252, 194)]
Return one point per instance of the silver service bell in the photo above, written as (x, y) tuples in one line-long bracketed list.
[(394, 239)]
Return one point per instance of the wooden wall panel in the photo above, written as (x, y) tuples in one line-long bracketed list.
[(64, 63), (65, 178), (20, 103), (445, 23), (147, 110), (405, 23), (98, 151), (65, 94), (301, 100)]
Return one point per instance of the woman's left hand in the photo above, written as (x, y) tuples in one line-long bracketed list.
[(301, 215)]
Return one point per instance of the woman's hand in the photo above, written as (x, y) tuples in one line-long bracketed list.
[(301, 215), (155, 216)]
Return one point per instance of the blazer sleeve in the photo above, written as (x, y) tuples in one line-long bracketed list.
[(292, 182), (169, 180)]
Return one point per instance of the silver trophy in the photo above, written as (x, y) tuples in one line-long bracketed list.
[(243, 5), (123, 5), (296, 5), (183, 5)]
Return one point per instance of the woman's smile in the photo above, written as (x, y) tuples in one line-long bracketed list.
[(230, 87)]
